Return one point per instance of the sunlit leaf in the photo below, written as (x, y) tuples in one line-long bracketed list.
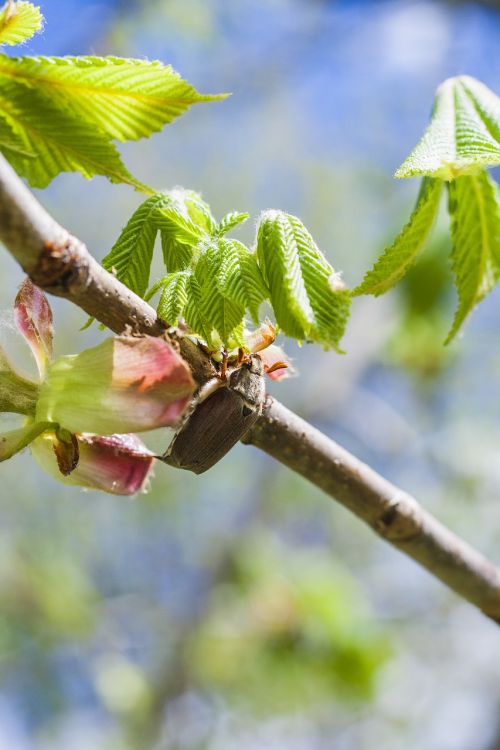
[(19, 21), (219, 312), (131, 255), (60, 142), (230, 221), (397, 259), (475, 224), (309, 299), (174, 297), (123, 98), (463, 135)]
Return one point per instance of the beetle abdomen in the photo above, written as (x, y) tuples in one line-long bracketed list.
[(218, 422)]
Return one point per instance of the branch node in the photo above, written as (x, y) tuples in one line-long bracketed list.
[(59, 267), (399, 521)]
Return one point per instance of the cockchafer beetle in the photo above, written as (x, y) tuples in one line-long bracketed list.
[(219, 418)]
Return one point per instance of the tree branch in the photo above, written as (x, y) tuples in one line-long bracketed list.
[(392, 513), (61, 264)]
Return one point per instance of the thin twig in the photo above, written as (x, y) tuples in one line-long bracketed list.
[(60, 264)]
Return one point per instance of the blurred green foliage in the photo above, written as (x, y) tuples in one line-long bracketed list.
[(290, 619)]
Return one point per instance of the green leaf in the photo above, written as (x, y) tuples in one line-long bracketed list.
[(197, 209), (60, 142), (19, 22), (174, 297), (475, 227), (131, 255), (188, 220), (125, 99), (172, 220), (179, 235), (240, 278), (309, 299), (463, 135), (192, 312), (218, 312), (397, 259), (229, 221), (177, 255), (9, 141)]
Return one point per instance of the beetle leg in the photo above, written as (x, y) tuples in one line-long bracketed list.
[(223, 369), (275, 366)]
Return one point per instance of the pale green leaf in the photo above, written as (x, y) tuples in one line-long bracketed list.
[(174, 297), (475, 224), (155, 288), (60, 142), (230, 221), (183, 222), (124, 98), (218, 312), (179, 235), (463, 134), (197, 209), (19, 21), (171, 220), (193, 315), (239, 276), (131, 255), (397, 259), (177, 255), (309, 299)]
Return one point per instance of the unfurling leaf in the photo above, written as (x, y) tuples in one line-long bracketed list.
[(186, 220), (463, 135), (218, 312), (19, 21), (131, 255), (194, 207), (230, 221), (309, 299), (174, 297), (193, 313), (400, 256), (239, 277), (174, 223), (475, 226)]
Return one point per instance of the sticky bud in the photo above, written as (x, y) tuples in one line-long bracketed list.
[(118, 464), (126, 384)]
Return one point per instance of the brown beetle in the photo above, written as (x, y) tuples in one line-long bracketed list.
[(220, 420)]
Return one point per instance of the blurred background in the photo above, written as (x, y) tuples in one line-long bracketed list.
[(244, 609)]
